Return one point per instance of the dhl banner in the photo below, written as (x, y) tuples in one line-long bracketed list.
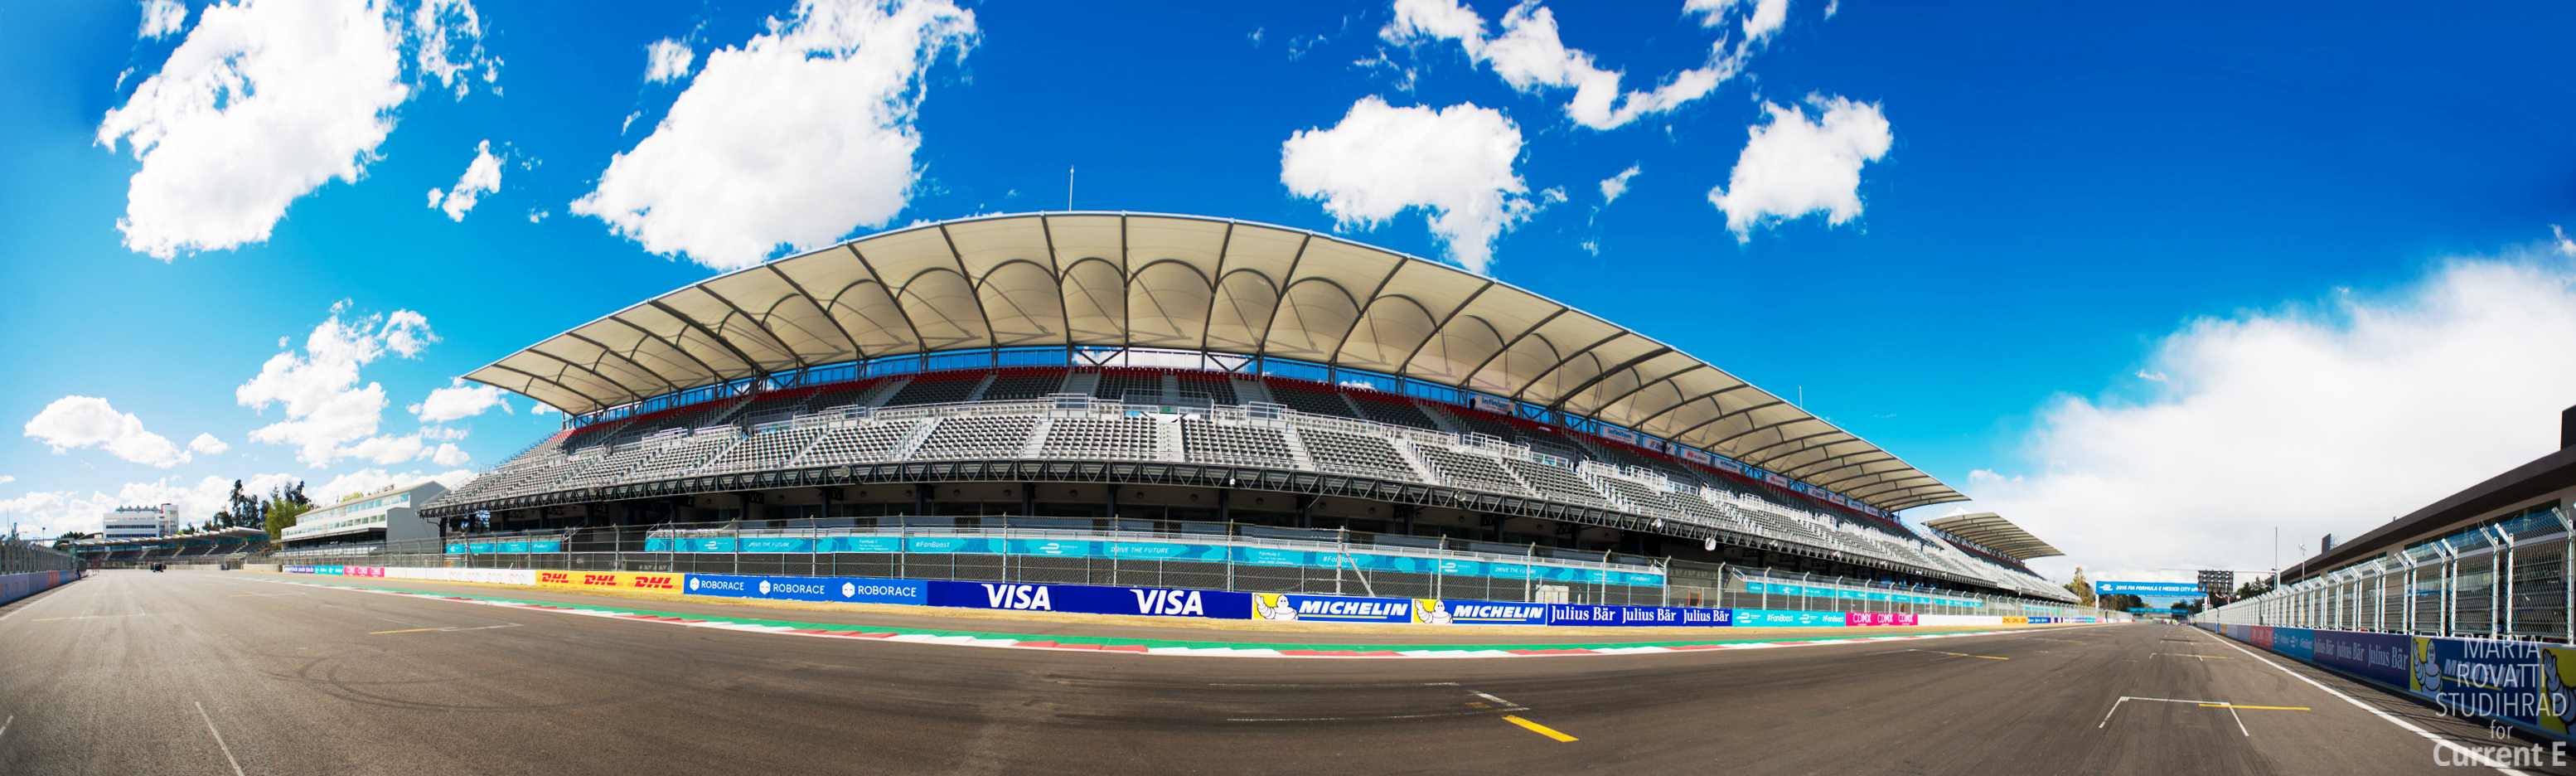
[(612, 580)]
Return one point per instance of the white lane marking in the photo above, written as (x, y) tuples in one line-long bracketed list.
[(2231, 709), (1514, 706), (4, 726), (1384, 684), (91, 617), (219, 738), (2410, 727)]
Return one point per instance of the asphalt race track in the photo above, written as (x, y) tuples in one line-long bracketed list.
[(216, 673)]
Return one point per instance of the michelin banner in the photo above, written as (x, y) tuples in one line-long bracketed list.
[(1288, 607)]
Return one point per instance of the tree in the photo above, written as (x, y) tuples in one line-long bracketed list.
[(241, 510), (2083, 590), (284, 506), (68, 537), (2121, 602), (2252, 588)]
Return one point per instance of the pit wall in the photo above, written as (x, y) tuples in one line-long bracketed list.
[(17, 586), (2523, 683), (1164, 602)]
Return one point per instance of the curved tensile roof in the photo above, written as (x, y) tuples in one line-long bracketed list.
[(1189, 283), (1993, 532)]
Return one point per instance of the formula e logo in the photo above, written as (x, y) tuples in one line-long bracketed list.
[(764, 587), (848, 590), (1170, 602), (1017, 596)]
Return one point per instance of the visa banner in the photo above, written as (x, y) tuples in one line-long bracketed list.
[(845, 589), (1092, 599)]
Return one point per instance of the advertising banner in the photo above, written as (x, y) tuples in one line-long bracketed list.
[(777, 544), (1787, 619), (952, 544), (1607, 614), (1285, 607), (1265, 556), (1857, 619), (1438, 612), (1092, 599), (846, 589), (1165, 551), (1053, 548), (860, 544), (2107, 587), (611, 580)]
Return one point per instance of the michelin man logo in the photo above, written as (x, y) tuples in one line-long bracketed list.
[(1432, 611), (764, 587), (1273, 607), (2426, 670), (693, 583), (848, 590), (2561, 704)]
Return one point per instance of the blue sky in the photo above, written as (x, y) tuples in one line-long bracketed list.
[(2168, 276)]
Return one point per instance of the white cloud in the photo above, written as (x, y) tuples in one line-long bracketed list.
[(162, 17), (1454, 162), (50, 513), (667, 60), (542, 408), (4, 480), (1761, 18), (449, 37), (448, 455), (1616, 185), (1792, 167), (261, 104), (482, 176), (372, 480), (208, 444), (2316, 419), (325, 407), (1531, 57), (2565, 246), (796, 138), (73, 422), (458, 400)]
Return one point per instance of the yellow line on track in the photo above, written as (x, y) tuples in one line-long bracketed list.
[(1539, 729)]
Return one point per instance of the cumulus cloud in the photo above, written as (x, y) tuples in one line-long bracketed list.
[(208, 444), (1531, 57), (796, 138), (449, 455), (372, 480), (162, 17), (1454, 162), (1791, 166), (1616, 185), (542, 408), (667, 60), (2320, 418), (264, 102), (482, 176), (50, 513), (458, 400), (326, 410), (448, 35), (1761, 17), (74, 422)]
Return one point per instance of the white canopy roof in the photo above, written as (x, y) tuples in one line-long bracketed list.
[(1193, 283)]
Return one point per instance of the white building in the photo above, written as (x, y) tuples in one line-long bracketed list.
[(392, 514), (142, 522)]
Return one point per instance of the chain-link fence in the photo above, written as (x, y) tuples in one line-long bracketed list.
[(1335, 568), (19, 556)]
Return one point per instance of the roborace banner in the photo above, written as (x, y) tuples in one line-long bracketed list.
[(845, 589)]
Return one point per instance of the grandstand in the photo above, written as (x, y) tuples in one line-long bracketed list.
[(1191, 370), (228, 546)]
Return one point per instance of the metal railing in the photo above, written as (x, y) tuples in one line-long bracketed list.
[(19, 556), (2503, 580)]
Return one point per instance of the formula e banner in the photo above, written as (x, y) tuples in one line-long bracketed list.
[(1091, 599), (845, 589), (2107, 587), (1792, 619)]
